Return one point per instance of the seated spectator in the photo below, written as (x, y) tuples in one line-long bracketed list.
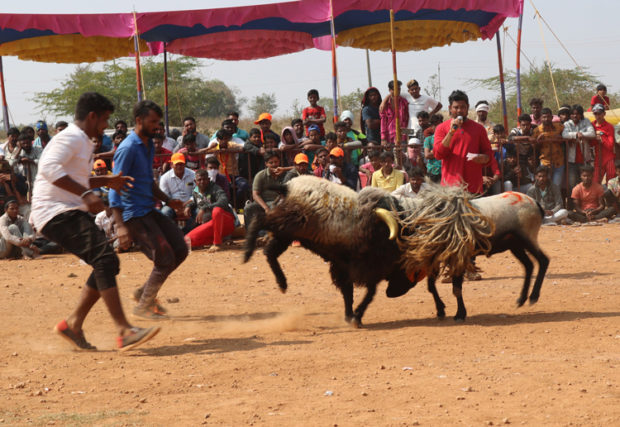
[(178, 183), (100, 169), (414, 186), (549, 137), (289, 146), (339, 171), (321, 162), (367, 169), (190, 151), (214, 216), (213, 169), (121, 126), (301, 168), (264, 195), (251, 160), (612, 195), (13, 186), (515, 175), (264, 122), (105, 221), (587, 198), (387, 177), (549, 196), (16, 235), (161, 160), (43, 136), (600, 97), (577, 130)]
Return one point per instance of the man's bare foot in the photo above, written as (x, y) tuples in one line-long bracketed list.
[(214, 248)]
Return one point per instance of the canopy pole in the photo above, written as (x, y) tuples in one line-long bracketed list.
[(5, 108), (334, 63), (519, 106), (396, 87), (166, 117), (368, 68), (501, 80), (136, 47)]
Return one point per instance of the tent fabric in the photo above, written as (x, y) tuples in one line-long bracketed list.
[(250, 32)]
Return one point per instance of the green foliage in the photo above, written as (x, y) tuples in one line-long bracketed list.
[(351, 101), (263, 103), (573, 86), (188, 94)]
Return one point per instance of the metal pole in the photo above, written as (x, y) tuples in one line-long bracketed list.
[(501, 80), (136, 47), (5, 108), (368, 68), (166, 117), (519, 110), (334, 64), (396, 88)]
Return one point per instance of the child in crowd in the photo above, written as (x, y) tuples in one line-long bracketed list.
[(321, 162), (339, 171), (352, 154), (514, 177), (498, 140), (414, 152), (214, 216), (192, 158), (271, 142), (264, 121), (331, 141), (587, 198), (298, 125), (161, 160), (213, 169), (414, 186), (433, 166), (387, 177), (564, 113), (367, 169), (604, 145), (600, 97), (251, 161), (548, 195), (105, 221), (311, 144), (314, 114), (423, 122), (549, 137), (289, 146)]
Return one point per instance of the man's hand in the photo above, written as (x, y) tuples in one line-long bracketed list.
[(187, 211), (487, 181), (175, 204), (26, 241), (124, 238), (548, 213), (200, 217), (93, 203), (119, 182)]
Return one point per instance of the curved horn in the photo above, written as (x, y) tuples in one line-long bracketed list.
[(387, 217)]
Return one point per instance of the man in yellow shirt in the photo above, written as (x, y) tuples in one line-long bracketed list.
[(549, 137), (387, 177)]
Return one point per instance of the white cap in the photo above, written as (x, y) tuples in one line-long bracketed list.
[(346, 114), (414, 141)]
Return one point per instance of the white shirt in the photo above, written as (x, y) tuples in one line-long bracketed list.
[(405, 190), (422, 103), (68, 153), (104, 222), (170, 144), (178, 188)]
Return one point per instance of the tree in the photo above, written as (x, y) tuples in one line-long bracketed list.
[(351, 101), (188, 93), (434, 89), (263, 103), (573, 86)]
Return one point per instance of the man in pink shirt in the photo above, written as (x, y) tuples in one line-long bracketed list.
[(463, 146), (388, 115)]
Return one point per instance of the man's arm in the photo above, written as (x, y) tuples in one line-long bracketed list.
[(436, 109)]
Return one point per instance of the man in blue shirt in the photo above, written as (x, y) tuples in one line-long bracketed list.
[(158, 236)]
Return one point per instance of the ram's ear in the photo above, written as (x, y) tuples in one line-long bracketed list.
[(387, 217)]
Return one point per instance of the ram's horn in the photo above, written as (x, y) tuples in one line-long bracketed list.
[(387, 217)]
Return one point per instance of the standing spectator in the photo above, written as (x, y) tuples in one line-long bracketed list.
[(251, 160), (414, 186), (314, 114), (587, 199), (121, 126), (189, 127), (536, 105), (178, 184), (214, 217), (548, 135), (388, 115), (370, 123), (605, 145), (27, 162), (433, 166), (321, 164), (60, 126), (43, 136), (298, 125), (387, 177), (233, 116), (190, 151), (612, 195), (16, 235), (347, 117), (482, 115), (522, 138), (564, 113), (10, 148), (600, 97), (136, 218), (62, 205), (161, 158), (577, 130), (549, 196), (463, 146), (169, 143), (418, 102), (264, 122), (264, 195), (227, 153)]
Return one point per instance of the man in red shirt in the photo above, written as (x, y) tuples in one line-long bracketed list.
[(605, 145), (314, 114), (587, 199), (600, 97), (463, 146)]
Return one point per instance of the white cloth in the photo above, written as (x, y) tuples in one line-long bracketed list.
[(68, 153), (178, 188), (405, 190), (170, 144), (104, 222), (423, 103)]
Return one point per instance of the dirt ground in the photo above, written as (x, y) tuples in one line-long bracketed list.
[(237, 351)]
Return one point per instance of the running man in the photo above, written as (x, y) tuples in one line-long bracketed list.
[(61, 202), (136, 218)]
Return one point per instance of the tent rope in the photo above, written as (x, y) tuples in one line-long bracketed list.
[(542, 35)]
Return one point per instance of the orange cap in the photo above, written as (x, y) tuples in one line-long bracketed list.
[(336, 152), (99, 164), (178, 158), (301, 158), (263, 116)]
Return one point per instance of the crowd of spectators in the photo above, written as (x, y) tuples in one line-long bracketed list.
[(564, 161)]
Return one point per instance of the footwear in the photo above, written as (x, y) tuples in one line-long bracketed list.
[(136, 337), (77, 340), (473, 276), (149, 313), (137, 294)]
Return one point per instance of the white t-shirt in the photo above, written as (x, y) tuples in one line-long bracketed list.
[(405, 190), (178, 188), (68, 153), (423, 103)]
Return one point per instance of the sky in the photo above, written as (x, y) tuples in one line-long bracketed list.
[(589, 32)]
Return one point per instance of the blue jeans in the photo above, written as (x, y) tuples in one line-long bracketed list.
[(557, 176)]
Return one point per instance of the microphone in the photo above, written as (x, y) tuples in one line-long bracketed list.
[(456, 126)]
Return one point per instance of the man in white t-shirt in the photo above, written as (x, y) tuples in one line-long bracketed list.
[(418, 102), (62, 202)]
